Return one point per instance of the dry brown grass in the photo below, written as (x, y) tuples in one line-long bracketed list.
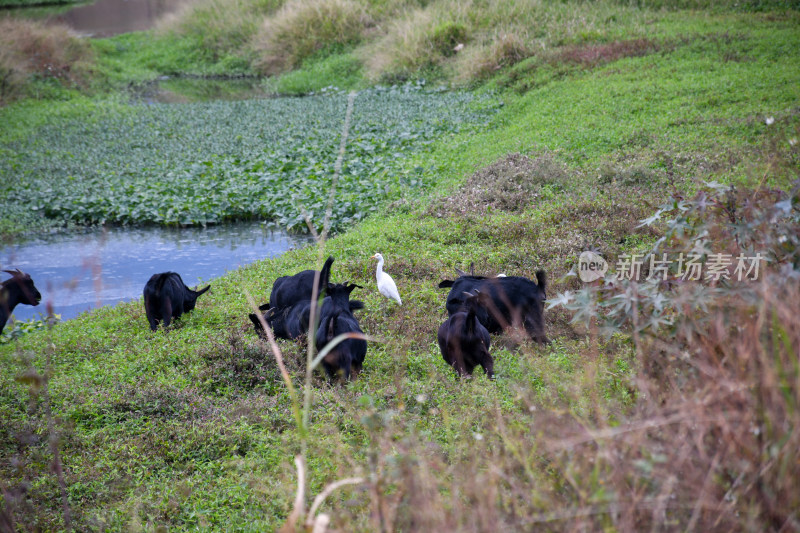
[(299, 29), (478, 61), (419, 38), (31, 48), (510, 184), (711, 444), (592, 55)]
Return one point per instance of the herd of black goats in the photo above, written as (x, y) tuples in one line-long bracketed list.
[(476, 305)]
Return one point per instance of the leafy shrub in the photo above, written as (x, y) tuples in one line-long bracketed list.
[(17, 328), (446, 36), (736, 223), (718, 363)]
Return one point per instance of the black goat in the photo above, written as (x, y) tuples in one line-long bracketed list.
[(505, 301), (18, 289), (337, 318), (292, 322), (289, 290), (289, 309), (167, 297), (464, 341)]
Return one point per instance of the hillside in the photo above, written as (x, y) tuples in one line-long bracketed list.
[(615, 425)]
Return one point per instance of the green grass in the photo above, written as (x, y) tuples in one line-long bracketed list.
[(342, 71), (143, 56), (193, 428)]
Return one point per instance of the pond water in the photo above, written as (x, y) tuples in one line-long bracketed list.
[(81, 271), (105, 18)]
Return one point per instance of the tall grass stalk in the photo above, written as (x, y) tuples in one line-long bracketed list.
[(321, 238), (316, 523)]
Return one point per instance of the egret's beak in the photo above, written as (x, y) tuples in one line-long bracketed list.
[(373, 257)]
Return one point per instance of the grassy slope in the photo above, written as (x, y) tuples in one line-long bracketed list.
[(194, 428)]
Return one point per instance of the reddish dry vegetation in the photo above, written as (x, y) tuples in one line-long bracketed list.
[(597, 54), (711, 443)]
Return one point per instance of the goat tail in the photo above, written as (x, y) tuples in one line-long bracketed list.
[(325, 273), (162, 279), (541, 279), (471, 320)]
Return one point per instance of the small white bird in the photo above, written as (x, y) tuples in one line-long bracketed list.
[(386, 284)]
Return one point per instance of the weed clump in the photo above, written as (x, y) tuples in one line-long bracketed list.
[(480, 61), (31, 50), (238, 366), (221, 27), (301, 29), (510, 184)]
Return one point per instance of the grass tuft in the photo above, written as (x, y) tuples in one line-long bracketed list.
[(47, 54), (300, 29)]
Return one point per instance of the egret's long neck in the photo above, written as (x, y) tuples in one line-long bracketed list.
[(380, 266)]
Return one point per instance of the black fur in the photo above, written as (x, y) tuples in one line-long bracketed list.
[(166, 297), (18, 289), (337, 318), (464, 341), (505, 302)]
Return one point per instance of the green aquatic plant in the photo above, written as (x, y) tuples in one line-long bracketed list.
[(206, 163)]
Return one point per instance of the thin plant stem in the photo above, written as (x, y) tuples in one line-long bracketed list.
[(312, 322)]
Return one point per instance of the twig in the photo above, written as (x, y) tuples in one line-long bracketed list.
[(52, 437), (299, 499), (327, 492)]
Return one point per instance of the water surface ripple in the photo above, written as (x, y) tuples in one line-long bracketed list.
[(84, 270)]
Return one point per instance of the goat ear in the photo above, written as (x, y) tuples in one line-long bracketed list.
[(353, 286), (446, 283)]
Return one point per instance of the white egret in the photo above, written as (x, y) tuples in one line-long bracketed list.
[(386, 284)]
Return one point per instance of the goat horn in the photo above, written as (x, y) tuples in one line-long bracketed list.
[(460, 272)]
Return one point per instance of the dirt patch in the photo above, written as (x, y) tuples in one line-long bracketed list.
[(510, 184)]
